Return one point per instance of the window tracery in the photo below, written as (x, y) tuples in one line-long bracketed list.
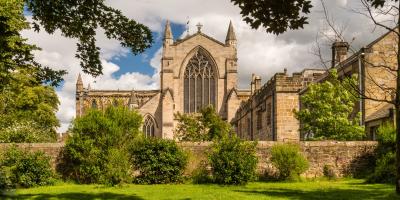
[(199, 83), (149, 126)]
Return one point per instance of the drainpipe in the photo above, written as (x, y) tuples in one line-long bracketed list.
[(274, 138), (361, 84)]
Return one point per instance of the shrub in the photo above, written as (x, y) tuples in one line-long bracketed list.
[(385, 166), (158, 161), (204, 126), (328, 172), (288, 161), (26, 131), (98, 151), (20, 168), (233, 161), (201, 174)]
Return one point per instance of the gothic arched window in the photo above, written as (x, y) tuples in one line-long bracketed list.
[(94, 104), (149, 126), (199, 83)]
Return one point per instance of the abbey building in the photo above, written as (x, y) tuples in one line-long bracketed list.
[(199, 70)]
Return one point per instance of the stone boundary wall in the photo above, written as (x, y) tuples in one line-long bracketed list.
[(343, 157)]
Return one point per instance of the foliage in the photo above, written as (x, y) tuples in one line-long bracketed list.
[(204, 126), (98, 152), (328, 172), (20, 168), (26, 106), (27, 110), (276, 16), (190, 127), (288, 161), (15, 53), (233, 161), (81, 19), (201, 174), (328, 109), (158, 161), (385, 169)]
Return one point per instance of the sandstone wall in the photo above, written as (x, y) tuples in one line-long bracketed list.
[(343, 157)]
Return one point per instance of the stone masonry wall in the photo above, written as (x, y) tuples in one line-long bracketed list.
[(343, 157)]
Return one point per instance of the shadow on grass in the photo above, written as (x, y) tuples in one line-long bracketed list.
[(326, 194), (77, 195)]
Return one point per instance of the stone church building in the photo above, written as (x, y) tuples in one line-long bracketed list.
[(195, 71), (199, 70)]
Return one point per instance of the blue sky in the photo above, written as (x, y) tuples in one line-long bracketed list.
[(141, 63)]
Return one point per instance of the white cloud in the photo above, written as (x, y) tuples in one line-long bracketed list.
[(258, 52)]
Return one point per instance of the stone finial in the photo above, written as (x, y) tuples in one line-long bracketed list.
[(230, 36), (168, 37)]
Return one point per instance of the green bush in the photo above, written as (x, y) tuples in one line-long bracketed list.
[(385, 166), (233, 161), (288, 160), (20, 168), (98, 151), (204, 126), (158, 161)]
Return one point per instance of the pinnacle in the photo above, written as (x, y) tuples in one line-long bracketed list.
[(168, 32), (231, 33)]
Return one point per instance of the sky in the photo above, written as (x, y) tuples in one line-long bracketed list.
[(258, 52)]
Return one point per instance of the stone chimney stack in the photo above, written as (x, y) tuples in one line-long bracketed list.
[(255, 83), (230, 36), (168, 37), (339, 52)]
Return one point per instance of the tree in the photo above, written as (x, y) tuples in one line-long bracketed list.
[(80, 19), (328, 109), (384, 14), (98, 150), (15, 53), (27, 108), (204, 126), (277, 16)]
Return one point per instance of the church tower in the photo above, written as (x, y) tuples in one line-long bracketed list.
[(196, 71)]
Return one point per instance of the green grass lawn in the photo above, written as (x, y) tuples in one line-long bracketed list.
[(326, 190)]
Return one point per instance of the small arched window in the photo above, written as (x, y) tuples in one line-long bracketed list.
[(94, 104), (149, 126)]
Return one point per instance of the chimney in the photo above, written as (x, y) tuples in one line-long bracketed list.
[(339, 52), (257, 83), (252, 86)]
